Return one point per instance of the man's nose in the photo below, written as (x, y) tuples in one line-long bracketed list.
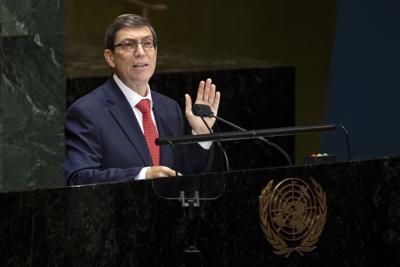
[(139, 52)]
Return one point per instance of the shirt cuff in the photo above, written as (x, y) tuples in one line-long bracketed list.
[(205, 145), (142, 174)]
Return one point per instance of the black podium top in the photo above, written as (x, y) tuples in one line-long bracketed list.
[(127, 224)]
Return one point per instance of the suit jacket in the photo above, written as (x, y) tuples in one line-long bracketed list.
[(104, 141)]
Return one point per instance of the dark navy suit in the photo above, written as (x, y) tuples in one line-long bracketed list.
[(104, 141)]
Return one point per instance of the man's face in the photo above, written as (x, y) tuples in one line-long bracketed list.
[(136, 67)]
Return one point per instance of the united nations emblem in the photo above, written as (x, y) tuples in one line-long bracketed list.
[(292, 215)]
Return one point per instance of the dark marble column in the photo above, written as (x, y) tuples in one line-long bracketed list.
[(32, 101)]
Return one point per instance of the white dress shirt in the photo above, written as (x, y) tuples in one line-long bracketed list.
[(133, 99)]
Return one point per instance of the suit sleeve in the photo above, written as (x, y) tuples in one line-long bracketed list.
[(83, 152), (192, 158)]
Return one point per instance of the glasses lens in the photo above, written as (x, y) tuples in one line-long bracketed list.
[(131, 45), (128, 45), (148, 44)]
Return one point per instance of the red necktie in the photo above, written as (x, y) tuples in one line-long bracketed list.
[(150, 132)]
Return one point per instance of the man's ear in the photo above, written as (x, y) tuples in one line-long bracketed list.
[(109, 57)]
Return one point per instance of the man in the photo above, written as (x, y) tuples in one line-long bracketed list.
[(110, 132)]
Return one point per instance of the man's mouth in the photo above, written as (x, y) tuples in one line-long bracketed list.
[(142, 65)]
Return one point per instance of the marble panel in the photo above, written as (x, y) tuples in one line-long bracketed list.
[(32, 104), (2, 85), (62, 220), (18, 210), (30, 17)]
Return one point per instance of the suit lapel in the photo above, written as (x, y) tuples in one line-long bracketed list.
[(123, 114), (166, 156)]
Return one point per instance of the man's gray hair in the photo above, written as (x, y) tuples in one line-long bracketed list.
[(124, 21)]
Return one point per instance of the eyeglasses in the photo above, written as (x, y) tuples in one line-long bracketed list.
[(129, 45)]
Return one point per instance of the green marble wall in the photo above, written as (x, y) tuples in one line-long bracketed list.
[(32, 95)]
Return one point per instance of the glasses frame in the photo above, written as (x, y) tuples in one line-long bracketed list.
[(136, 43)]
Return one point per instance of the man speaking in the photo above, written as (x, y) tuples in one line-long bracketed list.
[(110, 132)]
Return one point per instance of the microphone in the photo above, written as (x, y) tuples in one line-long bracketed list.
[(202, 110)]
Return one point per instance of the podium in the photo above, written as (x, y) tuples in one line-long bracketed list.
[(129, 224)]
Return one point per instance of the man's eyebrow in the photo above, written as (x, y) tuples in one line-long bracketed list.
[(132, 39)]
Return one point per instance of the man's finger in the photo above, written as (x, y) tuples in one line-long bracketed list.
[(169, 172), (207, 90), (212, 94), (200, 91), (215, 105), (188, 105), (159, 171)]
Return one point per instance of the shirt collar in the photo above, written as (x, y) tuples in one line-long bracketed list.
[(132, 96)]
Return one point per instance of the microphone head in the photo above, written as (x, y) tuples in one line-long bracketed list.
[(202, 110)]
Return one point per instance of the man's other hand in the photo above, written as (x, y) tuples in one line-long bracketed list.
[(159, 171), (206, 95)]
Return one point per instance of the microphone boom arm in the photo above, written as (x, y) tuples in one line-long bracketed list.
[(241, 135)]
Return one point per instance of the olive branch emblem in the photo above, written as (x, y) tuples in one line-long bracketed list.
[(292, 215)]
